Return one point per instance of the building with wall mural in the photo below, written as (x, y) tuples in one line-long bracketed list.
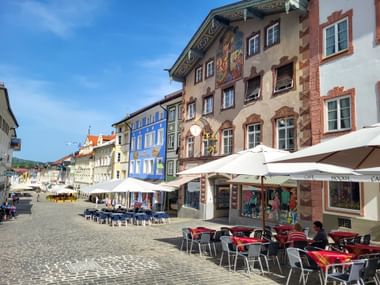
[(8, 141), (344, 96), (245, 78)]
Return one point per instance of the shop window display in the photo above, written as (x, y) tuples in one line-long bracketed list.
[(344, 195), (281, 204)]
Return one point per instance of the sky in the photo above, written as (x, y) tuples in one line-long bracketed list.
[(71, 64)]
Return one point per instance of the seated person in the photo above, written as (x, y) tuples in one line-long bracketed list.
[(297, 233), (320, 238)]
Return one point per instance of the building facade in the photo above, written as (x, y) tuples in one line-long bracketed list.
[(245, 82), (121, 153), (344, 97), (103, 160), (8, 141)]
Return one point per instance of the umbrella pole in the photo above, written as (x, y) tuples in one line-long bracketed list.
[(263, 201)]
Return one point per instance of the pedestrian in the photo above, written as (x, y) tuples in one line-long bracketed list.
[(38, 197), (96, 201), (320, 238)]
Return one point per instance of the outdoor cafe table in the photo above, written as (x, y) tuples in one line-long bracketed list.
[(325, 257), (358, 249), (338, 235), (240, 229), (195, 232), (282, 229), (240, 242)]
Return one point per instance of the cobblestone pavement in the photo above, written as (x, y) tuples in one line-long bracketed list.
[(52, 243)]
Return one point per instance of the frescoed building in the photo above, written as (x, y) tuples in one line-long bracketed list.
[(8, 141), (245, 78), (344, 97)]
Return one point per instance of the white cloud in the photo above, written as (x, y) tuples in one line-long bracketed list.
[(60, 17)]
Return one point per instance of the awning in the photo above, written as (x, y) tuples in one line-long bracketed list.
[(180, 181), (284, 181)]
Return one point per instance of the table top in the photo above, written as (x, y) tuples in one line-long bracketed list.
[(325, 257), (246, 240), (283, 228), (359, 249), (241, 229)]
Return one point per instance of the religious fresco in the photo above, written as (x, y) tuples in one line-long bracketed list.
[(229, 58)]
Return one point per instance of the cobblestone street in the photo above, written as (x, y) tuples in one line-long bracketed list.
[(52, 243)]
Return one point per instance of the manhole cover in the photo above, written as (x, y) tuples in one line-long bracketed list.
[(88, 265)]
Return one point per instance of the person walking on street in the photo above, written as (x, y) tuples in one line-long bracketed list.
[(96, 201), (38, 197)]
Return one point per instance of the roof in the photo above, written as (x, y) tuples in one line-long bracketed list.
[(8, 104), (61, 160), (93, 139), (218, 20), (79, 155), (166, 99)]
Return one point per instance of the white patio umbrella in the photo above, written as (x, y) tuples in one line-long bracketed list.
[(356, 150), (66, 191), (20, 187), (254, 162)]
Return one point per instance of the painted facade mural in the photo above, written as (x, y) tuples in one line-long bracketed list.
[(229, 58)]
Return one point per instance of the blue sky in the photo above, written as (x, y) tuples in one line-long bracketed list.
[(69, 64)]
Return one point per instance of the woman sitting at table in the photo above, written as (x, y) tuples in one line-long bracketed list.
[(297, 233), (320, 238)]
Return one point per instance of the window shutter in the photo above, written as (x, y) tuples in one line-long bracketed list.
[(284, 77)]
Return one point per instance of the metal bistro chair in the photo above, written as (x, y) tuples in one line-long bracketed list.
[(102, 218), (251, 256), (297, 264), (87, 214), (366, 239), (226, 248), (271, 253), (186, 239), (123, 220), (203, 241), (349, 272), (115, 220), (369, 275)]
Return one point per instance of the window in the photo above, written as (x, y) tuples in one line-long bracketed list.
[(206, 144), (198, 74), (253, 45), (160, 136), (191, 110), (339, 114), (344, 195), (228, 98), (171, 141), (118, 157), (222, 194), (117, 174), (119, 140), (252, 89), (209, 68), (138, 167), (149, 139), (148, 166), (159, 166), (172, 114), (272, 35), (170, 166), (284, 77), (227, 141), (179, 140), (285, 133), (132, 167), (139, 142), (192, 190), (133, 144), (208, 104), (253, 135), (120, 130), (161, 115), (190, 146), (180, 112), (336, 37)]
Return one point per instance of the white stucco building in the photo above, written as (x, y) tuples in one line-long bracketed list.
[(8, 141), (103, 160)]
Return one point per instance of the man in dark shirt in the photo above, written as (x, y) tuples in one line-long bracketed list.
[(320, 237)]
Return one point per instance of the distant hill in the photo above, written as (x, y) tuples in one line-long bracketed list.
[(23, 163)]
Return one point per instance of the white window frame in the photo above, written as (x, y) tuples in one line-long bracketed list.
[(191, 110), (133, 143), (286, 127), (132, 167), (189, 141), (226, 134), (170, 166), (139, 142), (254, 133), (198, 74), (210, 68), (149, 139), (231, 98), (338, 110), (207, 106), (138, 167), (171, 141), (119, 140), (159, 172), (160, 136), (206, 143), (336, 43), (272, 28), (172, 114), (118, 157), (252, 42)]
